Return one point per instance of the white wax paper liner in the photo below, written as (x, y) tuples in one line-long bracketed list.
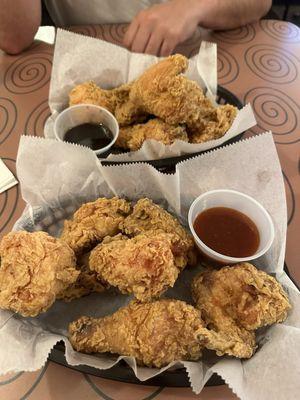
[(74, 63), (63, 175)]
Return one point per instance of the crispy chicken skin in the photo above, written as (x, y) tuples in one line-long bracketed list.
[(93, 221), (115, 101), (154, 333), (236, 300), (35, 268), (162, 91), (214, 125), (143, 265), (133, 137), (86, 282), (148, 216)]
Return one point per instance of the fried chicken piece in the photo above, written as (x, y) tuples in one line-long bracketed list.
[(90, 93), (214, 125), (35, 268), (115, 101), (144, 265), (154, 333), (162, 91), (93, 221), (236, 300), (148, 216), (86, 282), (133, 137)]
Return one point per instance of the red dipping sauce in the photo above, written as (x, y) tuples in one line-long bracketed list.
[(227, 231)]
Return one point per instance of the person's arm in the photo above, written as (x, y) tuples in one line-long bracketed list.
[(160, 28), (19, 21)]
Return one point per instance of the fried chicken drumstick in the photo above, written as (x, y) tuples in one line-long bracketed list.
[(236, 300), (35, 268), (154, 333)]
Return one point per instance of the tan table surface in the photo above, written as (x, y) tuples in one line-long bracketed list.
[(259, 63)]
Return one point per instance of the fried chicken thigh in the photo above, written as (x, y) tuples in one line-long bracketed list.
[(93, 221), (35, 268), (236, 300), (144, 265), (154, 333), (148, 216), (133, 137)]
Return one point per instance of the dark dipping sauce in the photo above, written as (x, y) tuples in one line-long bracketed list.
[(94, 136), (227, 231)]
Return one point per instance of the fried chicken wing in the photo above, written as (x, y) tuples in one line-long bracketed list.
[(115, 100), (35, 268), (154, 333), (93, 221), (148, 216), (86, 282), (236, 300), (144, 265), (133, 137)]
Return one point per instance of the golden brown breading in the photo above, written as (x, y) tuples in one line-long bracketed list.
[(85, 284), (35, 268), (143, 265), (90, 93), (246, 294), (93, 221), (133, 137), (236, 300), (163, 92), (214, 125), (154, 333), (148, 216), (115, 100)]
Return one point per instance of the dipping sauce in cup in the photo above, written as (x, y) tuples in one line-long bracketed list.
[(87, 125), (230, 227), (227, 231)]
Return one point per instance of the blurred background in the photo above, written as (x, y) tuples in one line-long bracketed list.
[(288, 10)]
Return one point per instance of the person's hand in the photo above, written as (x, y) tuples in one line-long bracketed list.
[(161, 27)]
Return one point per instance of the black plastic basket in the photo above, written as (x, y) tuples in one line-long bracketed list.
[(122, 372)]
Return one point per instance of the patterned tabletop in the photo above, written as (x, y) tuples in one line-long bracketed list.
[(259, 63)]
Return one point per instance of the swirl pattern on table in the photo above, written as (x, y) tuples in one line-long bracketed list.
[(281, 30), (28, 73), (272, 63), (9, 199), (89, 30), (275, 110), (290, 197), (8, 118), (240, 35), (115, 33), (36, 119), (228, 68)]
